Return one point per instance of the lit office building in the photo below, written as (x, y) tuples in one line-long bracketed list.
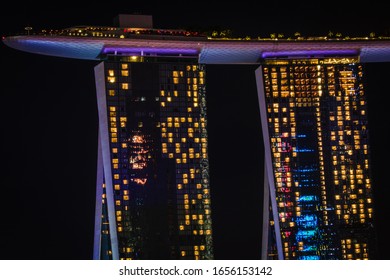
[(314, 120)]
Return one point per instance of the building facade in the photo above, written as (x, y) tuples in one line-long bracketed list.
[(153, 195), (315, 130)]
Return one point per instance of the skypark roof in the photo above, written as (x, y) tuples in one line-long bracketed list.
[(208, 51)]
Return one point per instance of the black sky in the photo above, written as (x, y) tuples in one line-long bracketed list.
[(49, 125)]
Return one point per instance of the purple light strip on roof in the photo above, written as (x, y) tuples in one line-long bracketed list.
[(310, 53), (146, 51)]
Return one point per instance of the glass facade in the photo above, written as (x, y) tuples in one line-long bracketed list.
[(154, 197), (316, 136)]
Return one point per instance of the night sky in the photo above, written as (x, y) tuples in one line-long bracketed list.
[(49, 126)]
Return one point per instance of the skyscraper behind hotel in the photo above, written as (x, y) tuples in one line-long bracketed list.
[(153, 194)]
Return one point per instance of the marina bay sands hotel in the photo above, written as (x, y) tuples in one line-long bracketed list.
[(153, 190)]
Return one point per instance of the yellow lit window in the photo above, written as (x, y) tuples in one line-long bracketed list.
[(125, 73), (125, 86)]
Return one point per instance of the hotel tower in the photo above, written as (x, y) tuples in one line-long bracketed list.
[(153, 189)]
